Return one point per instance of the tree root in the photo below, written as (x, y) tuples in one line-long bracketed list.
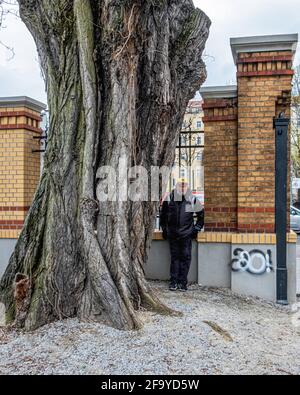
[(151, 302), (22, 297)]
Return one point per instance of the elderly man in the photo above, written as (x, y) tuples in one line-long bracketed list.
[(177, 222)]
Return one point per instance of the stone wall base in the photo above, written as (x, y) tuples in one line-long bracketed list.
[(6, 249), (213, 263), (158, 265), (244, 263)]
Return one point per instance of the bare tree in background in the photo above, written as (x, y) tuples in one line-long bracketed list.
[(7, 7), (295, 123), (119, 75), (188, 155), (189, 151)]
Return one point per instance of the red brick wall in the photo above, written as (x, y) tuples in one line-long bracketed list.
[(220, 164), (239, 155), (263, 79), (19, 166)]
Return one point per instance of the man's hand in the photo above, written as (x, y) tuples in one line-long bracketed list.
[(196, 230), (194, 234)]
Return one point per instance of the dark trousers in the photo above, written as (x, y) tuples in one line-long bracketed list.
[(181, 257)]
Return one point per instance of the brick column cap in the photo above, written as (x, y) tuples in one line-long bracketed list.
[(22, 101), (278, 42), (219, 92)]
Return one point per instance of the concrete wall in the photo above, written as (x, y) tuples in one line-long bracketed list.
[(298, 268), (213, 264), (292, 272), (158, 265), (211, 267), (248, 284), (298, 277), (6, 249), (264, 285)]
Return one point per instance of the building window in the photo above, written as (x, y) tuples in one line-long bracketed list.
[(199, 156), (183, 140), (184, 156), (193, 110), (199, 124), (182, 173), (199, 140)]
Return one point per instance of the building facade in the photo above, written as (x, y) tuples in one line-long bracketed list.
[(190, 149), (241, 247)]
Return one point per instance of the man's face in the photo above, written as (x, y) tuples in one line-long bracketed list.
[(182, 188)]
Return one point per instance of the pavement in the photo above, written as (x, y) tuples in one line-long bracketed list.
[(218, 333)]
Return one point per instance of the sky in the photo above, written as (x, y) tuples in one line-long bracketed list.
[(230, 18)]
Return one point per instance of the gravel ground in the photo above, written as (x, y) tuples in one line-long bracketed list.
[(219, 333)]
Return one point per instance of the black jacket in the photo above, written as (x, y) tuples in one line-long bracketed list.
[(177, 216)]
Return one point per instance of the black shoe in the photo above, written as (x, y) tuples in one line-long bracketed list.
[(182, 287), (173, 286)]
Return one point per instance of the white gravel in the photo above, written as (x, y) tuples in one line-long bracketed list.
[(266, 340)]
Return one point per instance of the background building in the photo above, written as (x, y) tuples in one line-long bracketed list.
[(189, 153)]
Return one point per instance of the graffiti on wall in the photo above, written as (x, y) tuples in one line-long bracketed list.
[(254, 262)]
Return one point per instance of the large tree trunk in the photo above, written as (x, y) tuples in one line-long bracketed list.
[(119, 75)]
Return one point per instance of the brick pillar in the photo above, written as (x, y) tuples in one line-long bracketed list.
[(19, 166), (264, 75), (220, 158)]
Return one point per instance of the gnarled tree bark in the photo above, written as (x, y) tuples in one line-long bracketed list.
[(119, 75)]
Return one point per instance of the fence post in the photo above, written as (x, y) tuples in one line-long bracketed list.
[(281, 126)]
